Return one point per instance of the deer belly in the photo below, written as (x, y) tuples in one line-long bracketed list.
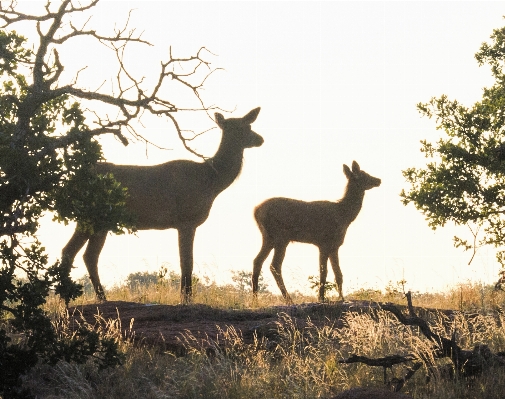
[(160, 214), (319, 234)]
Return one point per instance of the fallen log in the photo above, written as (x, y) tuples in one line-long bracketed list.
[(395, 384), (371, 393)]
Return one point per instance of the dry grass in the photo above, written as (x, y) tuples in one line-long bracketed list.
[(300, 363), (463, 297), (212, 294)]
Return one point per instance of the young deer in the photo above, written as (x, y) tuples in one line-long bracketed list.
[(176, 194), (322, 223)]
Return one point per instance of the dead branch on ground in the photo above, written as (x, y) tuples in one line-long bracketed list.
[(466, 363)]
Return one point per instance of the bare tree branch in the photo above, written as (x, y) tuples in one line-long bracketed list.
[(466, 363), (387, 363), (10, 15), (132, 99)]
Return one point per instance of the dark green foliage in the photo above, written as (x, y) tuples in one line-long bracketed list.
[(243, 281), (464, 182), (173, 279), (87, 286), (21, 299), (315, 285), (141, 280), (12, 52)]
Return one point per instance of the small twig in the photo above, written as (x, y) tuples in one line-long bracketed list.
[(474, 246)]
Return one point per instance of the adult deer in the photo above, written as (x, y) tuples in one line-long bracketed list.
[(322, 223), (176, 194)]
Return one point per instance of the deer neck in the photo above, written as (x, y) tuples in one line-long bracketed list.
[(226, 165), (352, 201)]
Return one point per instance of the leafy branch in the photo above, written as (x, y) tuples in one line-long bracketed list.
[(464, 180)]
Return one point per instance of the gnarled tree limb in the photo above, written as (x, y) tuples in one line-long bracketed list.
[(466, 363), (132, 99)]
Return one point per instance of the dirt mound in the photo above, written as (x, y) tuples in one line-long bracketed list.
[(164, 325)]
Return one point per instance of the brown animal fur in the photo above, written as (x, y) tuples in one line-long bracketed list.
[(322, 223), (176, 194)]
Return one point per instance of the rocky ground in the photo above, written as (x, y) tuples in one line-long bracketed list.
[(165, 325)]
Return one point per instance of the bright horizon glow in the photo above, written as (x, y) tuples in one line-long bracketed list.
[(336, 82)]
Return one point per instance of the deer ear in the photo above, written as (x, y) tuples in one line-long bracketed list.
[(347, 172), (355, 167), (219, 119), (251, 116)]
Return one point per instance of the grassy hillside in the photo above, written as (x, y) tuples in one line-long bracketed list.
[(300, 362)]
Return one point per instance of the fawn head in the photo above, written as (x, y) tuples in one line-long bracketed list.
[(360, 178), (240, 130)]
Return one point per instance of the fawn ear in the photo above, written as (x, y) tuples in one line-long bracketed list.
[(355, 167), (251, 116), (219, 119), (347, 172)]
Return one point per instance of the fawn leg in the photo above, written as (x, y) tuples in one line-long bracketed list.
[(91, 255), (266, 247), (275, 268), (338, 273), (323, 272), (186, 239)]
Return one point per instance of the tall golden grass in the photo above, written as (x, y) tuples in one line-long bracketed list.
[(302, 362)]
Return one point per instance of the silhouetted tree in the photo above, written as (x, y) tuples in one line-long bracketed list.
[(47, 153), (464, 181)]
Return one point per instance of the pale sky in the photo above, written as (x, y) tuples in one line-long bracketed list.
[(336, 82)]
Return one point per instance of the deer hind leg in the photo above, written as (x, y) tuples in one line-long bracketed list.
[(68, 254), (73, 246), (266, 247), (276, 269), (91, 255), (323, 273), (186, 239), (338, 273)]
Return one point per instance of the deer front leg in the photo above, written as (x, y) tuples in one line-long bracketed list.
[(91, 255), (338, 273), (186, 239), (276, 269), (266, 247), (323, 273)]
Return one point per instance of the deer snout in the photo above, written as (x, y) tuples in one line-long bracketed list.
[(256, 140), (372, 182)]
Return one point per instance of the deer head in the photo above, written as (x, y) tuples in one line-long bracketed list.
[(360, 178), (240, 129)]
